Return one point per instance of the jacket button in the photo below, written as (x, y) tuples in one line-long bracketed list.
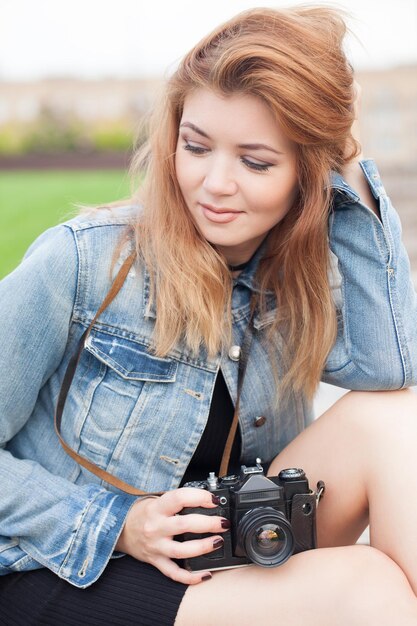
[(234, 353), (259, 421)]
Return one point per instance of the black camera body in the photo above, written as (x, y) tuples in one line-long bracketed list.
[(271, 518)]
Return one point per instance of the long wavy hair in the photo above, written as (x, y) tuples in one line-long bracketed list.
[(293, 61)]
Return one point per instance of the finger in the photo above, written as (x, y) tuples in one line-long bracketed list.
[(195, 523), (193, 547), (179, 574), (173, 502)]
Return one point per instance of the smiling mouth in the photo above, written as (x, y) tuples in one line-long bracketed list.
[(219, 216), (210, 207)]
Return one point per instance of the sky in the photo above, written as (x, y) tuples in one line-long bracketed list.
[(131, 38)]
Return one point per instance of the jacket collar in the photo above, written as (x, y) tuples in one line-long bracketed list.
[(246, 277)]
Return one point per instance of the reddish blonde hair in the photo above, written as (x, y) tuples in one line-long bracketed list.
[(293, 61)]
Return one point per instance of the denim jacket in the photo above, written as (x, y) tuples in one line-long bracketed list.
[(141, 417)]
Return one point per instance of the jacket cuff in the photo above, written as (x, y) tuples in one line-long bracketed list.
[(93, 540), (344, 194)]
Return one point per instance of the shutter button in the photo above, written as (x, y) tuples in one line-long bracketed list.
[(259, 421), (234, 353)]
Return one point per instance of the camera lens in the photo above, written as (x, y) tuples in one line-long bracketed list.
[(267, 537)]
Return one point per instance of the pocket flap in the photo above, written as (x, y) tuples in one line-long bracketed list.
[(130, 359)]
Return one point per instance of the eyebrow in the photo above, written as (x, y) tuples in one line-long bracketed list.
[(246, 146)]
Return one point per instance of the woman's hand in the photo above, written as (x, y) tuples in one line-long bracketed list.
[(352, 171), (357, 89), (355, 128), (152, 523)]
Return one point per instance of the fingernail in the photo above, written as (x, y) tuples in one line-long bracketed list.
[(216, 499), (226, 523), (218, 542), (206, 577)]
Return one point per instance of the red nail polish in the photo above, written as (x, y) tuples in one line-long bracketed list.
[(207, 577), (216, 499), (217, 543), (226, 523)]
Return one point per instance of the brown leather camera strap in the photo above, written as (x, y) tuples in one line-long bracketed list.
[(243, 361), (72, 366), (69, 375)]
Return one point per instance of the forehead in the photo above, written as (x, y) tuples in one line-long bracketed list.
[(240, 116)]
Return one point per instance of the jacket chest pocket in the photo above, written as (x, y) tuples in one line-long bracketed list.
[(116, 379)]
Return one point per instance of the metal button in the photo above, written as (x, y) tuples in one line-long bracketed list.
[(259, 421), (234, 353)]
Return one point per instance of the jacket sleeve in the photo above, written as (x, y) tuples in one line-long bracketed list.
[(376, 345), (70, 529)]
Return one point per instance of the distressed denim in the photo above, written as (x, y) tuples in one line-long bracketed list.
[(141, 417)]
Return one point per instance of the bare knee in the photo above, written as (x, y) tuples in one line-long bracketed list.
[(353, 569), (377, 412), (362, 585), (365, 564), (402, 402), (377, 587)]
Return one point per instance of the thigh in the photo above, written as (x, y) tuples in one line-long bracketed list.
[(320, 587), (348, 447)]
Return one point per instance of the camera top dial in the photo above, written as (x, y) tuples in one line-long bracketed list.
[(291, 473), (228, 481), (198, 484)]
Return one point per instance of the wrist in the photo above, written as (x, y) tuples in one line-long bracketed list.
[(136, 509), (356, 179)]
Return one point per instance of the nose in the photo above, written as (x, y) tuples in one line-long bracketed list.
[(219, 179)]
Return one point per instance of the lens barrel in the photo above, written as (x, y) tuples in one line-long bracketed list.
[(266, 536)]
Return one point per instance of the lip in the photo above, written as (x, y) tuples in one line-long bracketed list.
[(219, 215)]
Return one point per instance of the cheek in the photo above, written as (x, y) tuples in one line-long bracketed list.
[(186, 172), (178, 168), (277, 197), (285, 190), (291, 193)]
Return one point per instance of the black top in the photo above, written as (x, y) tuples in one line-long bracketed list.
[(209, 452)]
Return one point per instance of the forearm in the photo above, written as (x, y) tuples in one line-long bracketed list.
[(68, 528), (353, 173), (377, 337)]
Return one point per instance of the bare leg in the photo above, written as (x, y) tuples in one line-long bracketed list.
[(348, 586), (364, 449)]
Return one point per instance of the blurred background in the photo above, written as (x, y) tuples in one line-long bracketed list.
[(77, 78)]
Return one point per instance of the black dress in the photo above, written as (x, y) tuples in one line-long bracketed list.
[(128, 591)]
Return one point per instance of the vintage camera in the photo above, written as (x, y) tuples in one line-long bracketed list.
[(271, 518)]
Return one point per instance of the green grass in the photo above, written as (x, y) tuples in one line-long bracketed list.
[(31, 201)]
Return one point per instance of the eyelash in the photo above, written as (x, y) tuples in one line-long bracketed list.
[(257, 167)]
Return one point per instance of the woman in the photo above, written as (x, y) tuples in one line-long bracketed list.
[(258, 221)]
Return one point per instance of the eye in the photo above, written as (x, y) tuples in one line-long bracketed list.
[(194, 149), (257, 167)]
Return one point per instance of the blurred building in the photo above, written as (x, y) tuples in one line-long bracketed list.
[(86, 100), (100, 118), (389, 116), (388, 119)]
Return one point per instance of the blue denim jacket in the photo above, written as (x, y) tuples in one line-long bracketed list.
[(141, 417)]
